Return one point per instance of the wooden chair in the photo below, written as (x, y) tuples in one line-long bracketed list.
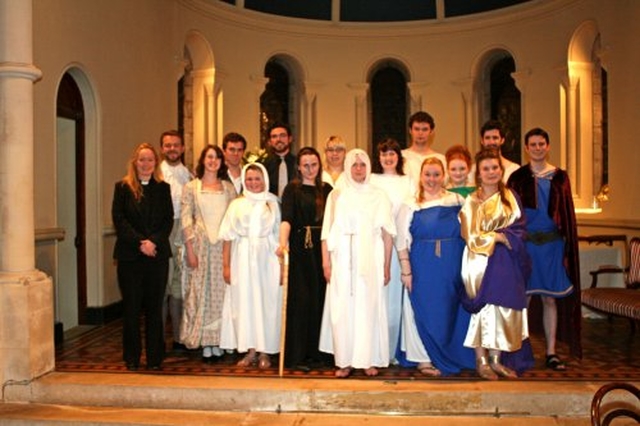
[(623, 302), (597, 418)]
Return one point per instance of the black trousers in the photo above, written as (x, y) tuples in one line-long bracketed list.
[(143, 284)]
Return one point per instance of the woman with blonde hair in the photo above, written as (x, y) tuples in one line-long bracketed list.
[(430, 250), (142, 214), (334, 152)]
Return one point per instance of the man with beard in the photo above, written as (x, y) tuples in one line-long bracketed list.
[(176, 175), (280, 162), (492, 136)]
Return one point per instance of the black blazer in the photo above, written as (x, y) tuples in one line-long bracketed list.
[(272, 164), (149, 218)]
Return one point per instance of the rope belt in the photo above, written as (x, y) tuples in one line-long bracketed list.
[(308, 240)]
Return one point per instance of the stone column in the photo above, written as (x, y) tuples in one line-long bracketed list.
[(360, 93), (26, 297)]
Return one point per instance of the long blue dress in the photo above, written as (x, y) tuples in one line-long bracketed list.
[(435, 256)]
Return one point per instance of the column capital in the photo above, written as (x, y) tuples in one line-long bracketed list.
[(521, 77)]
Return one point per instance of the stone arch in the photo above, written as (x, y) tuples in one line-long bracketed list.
[(484, 105), (582, 114), (301, 100), (201, 124)]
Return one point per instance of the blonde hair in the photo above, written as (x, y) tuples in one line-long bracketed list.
[(429, 161), (131, 178), (336, 140)]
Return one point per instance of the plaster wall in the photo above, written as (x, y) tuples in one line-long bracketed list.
[(124, 50), (131, 54)]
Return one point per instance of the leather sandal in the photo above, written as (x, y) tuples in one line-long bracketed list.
[(553, 362), (427, 369), (499, 369), (484, 370), (248, 360)]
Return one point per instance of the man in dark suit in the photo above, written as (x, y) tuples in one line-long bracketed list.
[(280, 162)]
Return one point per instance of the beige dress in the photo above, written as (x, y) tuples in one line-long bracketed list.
[(204, 286)]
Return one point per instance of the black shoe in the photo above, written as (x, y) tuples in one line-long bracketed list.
[(132, 366), (303, 367), (154, 368), (179, 347)]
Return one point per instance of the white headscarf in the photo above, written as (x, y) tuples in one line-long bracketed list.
[(259, 200), (265, 195), (350, 159)]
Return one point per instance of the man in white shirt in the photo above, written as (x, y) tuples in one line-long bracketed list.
[(492, 135), (421, 129), (176, 174), (233, 147)]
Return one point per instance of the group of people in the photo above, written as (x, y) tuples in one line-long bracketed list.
[(410, 257)]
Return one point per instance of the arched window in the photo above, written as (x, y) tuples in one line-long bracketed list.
[(274, 101), (505, 106), (499, 99), (600, 121), (388, 86), (285, 99), (388, 103), (585, 118)]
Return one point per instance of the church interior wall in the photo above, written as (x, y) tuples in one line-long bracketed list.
[(132, 53), (123, 49)]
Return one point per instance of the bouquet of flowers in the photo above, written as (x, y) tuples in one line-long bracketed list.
[(252, 156)]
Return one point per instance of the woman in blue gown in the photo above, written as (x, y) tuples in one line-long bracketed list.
[(430, 250)]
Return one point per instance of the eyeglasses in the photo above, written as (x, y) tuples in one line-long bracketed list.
[(334, 149)]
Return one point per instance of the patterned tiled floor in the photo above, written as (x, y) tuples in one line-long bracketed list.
[(610, 352)]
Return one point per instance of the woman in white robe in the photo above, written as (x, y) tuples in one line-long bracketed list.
[(251, 315), (388, 175), (356, 237)]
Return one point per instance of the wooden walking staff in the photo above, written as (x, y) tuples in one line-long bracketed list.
[(283, 316)]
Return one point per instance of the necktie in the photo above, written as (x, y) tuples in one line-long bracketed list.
[(282, 176)]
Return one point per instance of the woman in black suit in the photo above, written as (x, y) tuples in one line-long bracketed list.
[(142, 214)]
